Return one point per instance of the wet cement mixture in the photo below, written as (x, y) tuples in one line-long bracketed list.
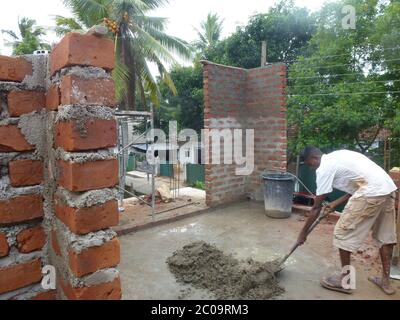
[(204, 266)]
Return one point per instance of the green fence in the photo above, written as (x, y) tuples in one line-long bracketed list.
[(131, 163), (308, 177), (194, 173), (166, 170)]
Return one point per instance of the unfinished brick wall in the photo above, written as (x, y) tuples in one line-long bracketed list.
[(59, 172), (245, 99)]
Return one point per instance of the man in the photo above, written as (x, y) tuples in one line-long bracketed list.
[(370, 207)]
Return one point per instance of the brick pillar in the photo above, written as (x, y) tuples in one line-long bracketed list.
[(58, 172), (236, 98), (22, 232), (83, 168)]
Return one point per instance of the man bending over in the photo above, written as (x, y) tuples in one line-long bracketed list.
[(370, 206)]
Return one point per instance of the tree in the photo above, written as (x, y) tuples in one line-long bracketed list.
[(187, 107), (65, 25), (29, 38), (339, 89), (209, 33), (242, 49), (139, 40), (286, 28)]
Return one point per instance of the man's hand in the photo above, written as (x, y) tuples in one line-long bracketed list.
[(301, 239), (314, 213)]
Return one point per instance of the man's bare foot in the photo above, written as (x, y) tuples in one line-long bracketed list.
[(386, 288), (334, 283)]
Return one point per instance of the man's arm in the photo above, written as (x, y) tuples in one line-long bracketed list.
[(314, 213)]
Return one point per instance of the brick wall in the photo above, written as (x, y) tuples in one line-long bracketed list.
[(59, 172), (245, 99)]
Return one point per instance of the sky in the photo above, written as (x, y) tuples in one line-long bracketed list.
[(183, 15)]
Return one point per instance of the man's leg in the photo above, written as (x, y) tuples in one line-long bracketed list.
[(350, 231), (344, 257), (384, 232), (334, 282), (386, 252)]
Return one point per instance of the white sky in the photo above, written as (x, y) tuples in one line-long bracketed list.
[(183, 15)]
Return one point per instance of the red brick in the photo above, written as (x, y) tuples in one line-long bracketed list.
[(25, 172), (86, 176), (55, 244), (103, 291), (11, 139), (4, 248), (14, 69), (53, 98), (99, 134), (22, 102), (48, 295), (79, 91), (20, 275), (85, 50), (85, 220), (21, 208), (31, 239), (95, 258)]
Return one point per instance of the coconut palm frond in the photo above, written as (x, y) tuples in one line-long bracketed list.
[(65, 25), (90, 12)]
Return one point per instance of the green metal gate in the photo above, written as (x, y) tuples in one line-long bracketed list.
[(194, 173)]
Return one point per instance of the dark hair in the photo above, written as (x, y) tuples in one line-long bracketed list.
[(308, 152)]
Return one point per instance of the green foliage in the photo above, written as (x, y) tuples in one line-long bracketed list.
[(65, 25), (209, 33), (29, 39), (285, 27), (140, 40), (338, 88), (187, 107), (199, 185)]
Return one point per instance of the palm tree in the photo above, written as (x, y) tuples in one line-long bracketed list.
[(29, 38), (139, 40), (209, 33)]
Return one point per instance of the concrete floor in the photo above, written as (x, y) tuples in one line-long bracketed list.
[(243, 230)]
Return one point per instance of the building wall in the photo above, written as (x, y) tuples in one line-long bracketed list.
[(245, 99), (58, 198)]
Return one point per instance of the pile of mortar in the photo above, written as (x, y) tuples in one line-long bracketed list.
[(205, 267)]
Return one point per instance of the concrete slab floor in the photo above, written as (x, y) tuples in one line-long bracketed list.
[(243, 230)]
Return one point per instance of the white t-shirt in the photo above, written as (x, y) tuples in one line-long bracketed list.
[(353, 173)]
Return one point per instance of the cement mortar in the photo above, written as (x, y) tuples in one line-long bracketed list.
[(15, 258), (12, 231), (79, 243), (205, 267), (87, 199), (50, 173), (26, 293), (82, 157), (100, 276), (9, 121), (6, 157), (71, 112), (7, 191), (39, 66), (82, 115), (33, 127), (81, 72), (4, 114)]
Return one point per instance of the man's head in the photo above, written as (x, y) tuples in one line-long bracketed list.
[(312, 157)]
